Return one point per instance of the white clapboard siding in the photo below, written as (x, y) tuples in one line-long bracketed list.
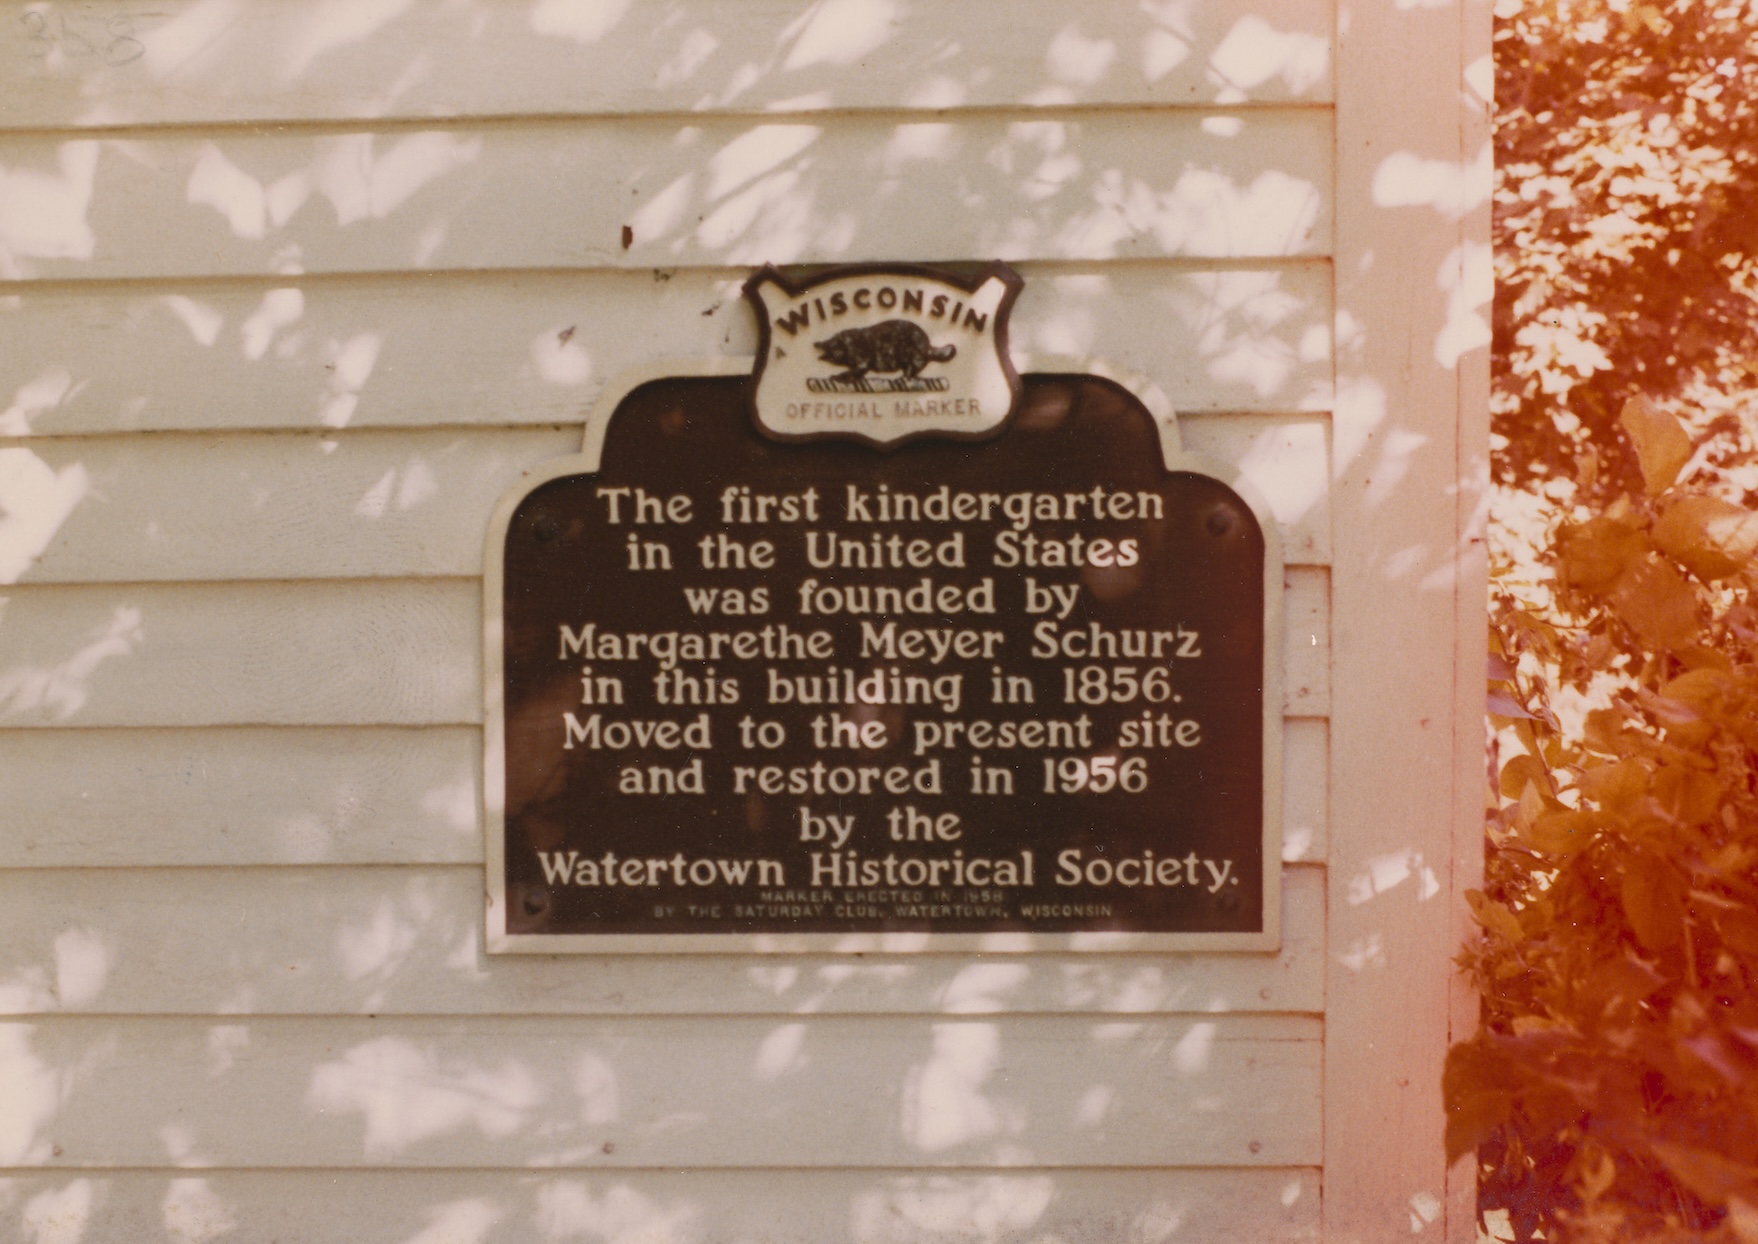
[(216, 506), (252, 795), (403, 652), (337, 795), (827, 1091), (408, 940), (537, 347), (1016, 1206), (724, 191), (112, 62), (367, 652)]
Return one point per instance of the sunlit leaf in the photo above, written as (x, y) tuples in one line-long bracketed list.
[(1593, 556), (1614, 787), (1562, 833), (1521, 770), (1711, 537), (1653, 897), (1662, 444), (1658, 602), (1477, 1086)]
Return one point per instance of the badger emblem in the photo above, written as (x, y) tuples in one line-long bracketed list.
[(891, 346)]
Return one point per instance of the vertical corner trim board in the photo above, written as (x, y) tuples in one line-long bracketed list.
[(1408, 602)]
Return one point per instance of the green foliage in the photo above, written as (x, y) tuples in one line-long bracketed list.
[(1612, 1093), (1614, 1083), (1626, 218)]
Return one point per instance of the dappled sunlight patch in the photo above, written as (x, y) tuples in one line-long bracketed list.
[(1235, 317), (178, 1141), (202, 321), (1205, 213), (191, 42), (1286, 464), (362, 185), (1406, 179), (402, 488), (775, 980), (454, 804), (31, 1091), (334, 24), (60, 1215), (943, 1100), (568, 1210), (458, 1222), (984, 1209), (839, 32), (1093, 1106), (279, 309), (664, 211), (43, 215), (755, 152), (1398, 450), (349, 366), (778, 222), (560, 357), (583, 21), (193, 1213), (1074, 58), (981, 988), (909, 143), (60, 690), (1364, 953), (780, 1052), (406, 1094), (27, 991), (1253, 52), (1467, 277), (218, 183), (49, 389), (595, 1083), (378, 946), (35, 500), (692, 52), (1360, 409), (1191, 1053), (82, 964)]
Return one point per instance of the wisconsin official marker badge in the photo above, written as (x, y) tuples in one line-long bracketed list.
[(884, 354)]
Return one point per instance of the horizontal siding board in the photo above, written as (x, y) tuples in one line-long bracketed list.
[(240, 796), (284, 506), (504, 348), (375, 504), (1275, 1206), (385, 653), (107, 62), (367, 652), (1097, 186), (338, 795), (409, 941), (1224, 1090)]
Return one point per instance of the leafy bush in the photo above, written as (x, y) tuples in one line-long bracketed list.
[(1612, 1091)]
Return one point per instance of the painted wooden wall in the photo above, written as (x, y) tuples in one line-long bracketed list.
[(292, 290)]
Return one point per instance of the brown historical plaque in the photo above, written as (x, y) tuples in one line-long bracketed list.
[(1012, 689)]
